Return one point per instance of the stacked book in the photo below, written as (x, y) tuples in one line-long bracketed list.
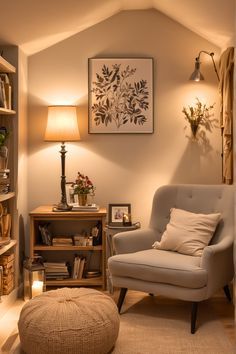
[(82, 240), (56, 270), (78, 267), (4, 181), (7, 270), (62, 241), (77, 207)]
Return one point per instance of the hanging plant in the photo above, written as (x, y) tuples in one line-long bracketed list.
[(199, 115)]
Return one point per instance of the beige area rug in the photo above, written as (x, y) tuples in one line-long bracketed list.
[(156, 325)]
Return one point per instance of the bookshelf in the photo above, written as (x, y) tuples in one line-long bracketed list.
[(67, 224), (8, 119)]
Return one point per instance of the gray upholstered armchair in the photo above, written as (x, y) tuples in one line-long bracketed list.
[(138, 266)]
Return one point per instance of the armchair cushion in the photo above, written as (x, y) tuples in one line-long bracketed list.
[(188, 233), (160, 266)]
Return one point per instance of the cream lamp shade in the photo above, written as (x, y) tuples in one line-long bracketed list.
[(62, 124)]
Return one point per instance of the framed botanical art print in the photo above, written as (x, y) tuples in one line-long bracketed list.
[(120, 95)]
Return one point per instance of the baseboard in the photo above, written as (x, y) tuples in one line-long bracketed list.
[(8, 300)]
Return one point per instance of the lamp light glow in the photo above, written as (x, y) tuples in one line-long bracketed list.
[(62, 124)]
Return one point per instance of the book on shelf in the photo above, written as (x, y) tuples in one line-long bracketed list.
[(57, 277), (56, 270), (80, 240), (81, 268), (77, 207), (62, 241), (3, 102), (6, 91), (54, 264), (78, 267)]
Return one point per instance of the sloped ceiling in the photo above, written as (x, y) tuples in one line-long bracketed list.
[(36, 25)]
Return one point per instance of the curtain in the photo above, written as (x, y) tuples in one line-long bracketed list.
[(226, 67)]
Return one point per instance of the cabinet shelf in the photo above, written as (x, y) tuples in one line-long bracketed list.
[(6, 67), (96, 281), (7, 111), (7, 196), (8, 247), (67, 248)]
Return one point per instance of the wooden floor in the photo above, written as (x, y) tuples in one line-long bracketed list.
[(222, 309)]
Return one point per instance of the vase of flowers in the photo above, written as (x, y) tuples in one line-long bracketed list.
[(198, 115), (83, 187)]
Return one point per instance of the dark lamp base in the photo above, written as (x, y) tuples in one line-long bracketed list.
[(62, 207)]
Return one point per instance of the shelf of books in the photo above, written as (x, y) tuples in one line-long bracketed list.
[(74, 237)]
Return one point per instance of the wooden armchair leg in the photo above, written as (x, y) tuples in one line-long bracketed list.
[(194, 316), (227, 293), (123, 292)]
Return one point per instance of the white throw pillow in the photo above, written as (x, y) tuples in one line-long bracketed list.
[(187, 232)]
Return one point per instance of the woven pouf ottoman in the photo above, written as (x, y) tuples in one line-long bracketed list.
[(69, 321)]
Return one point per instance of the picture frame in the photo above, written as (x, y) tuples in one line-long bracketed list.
[(70, 198), (120, 95), (116, 212)]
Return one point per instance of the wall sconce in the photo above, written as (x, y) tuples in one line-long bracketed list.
[(34, 278), (197, 75), (62, 126)]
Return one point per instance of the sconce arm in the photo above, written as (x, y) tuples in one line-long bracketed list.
[(212, 58)]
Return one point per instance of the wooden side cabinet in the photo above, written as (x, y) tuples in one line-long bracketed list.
[(69, 224)]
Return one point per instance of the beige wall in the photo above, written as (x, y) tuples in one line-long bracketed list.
[(124, 168)]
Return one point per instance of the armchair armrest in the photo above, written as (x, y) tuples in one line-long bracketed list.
[(134, 241), (218, 261)]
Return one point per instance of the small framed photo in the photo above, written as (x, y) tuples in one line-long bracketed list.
[(70, 197), (116, 213)]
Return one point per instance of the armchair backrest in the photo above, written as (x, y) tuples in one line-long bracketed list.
[(204, 199)]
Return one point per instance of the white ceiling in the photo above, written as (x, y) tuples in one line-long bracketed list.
[(38, 24)]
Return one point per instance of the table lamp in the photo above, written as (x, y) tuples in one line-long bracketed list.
[(62, 126)]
